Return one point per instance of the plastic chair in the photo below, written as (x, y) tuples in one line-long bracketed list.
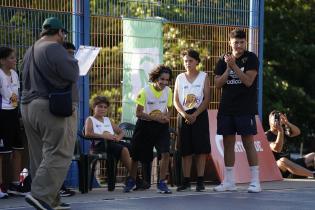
[(128, 128)]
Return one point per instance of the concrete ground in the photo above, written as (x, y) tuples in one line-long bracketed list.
[(290, 194)]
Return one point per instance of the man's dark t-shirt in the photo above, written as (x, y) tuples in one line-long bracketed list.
[(236, 98), (272, 138)]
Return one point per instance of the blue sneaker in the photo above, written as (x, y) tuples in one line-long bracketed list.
[(38, 204), (162, 187), (130, 184)]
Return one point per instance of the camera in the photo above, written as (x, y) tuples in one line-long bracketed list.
[(277, 117)]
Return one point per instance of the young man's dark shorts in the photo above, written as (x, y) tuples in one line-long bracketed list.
[(113, 147), (149, 134), (10, 138), (194, 138), (236, 124)]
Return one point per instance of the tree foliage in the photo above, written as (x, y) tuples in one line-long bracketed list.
[(289, 62)]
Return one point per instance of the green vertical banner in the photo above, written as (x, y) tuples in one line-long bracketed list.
[(142, 51)]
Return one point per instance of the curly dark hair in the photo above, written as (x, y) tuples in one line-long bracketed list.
[(158, 71), (191, 53), (100, 100)]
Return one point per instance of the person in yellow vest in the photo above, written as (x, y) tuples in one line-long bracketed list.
[(152, 127), (191, 100)]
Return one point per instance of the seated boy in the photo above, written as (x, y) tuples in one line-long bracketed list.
[(100, 126)]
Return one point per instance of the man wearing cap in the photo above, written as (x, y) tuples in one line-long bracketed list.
[(51, 138)]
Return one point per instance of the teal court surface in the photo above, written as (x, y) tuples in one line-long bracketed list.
[(290, 194)]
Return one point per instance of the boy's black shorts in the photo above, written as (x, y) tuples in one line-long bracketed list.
[(10, 138), (149, 134), (113, 147), (195, 138)]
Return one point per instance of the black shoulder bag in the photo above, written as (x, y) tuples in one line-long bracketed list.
[(60, 100)]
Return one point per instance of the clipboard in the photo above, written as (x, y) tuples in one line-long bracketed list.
[(86, 56)]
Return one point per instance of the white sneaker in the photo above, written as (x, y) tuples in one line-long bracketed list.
[(254, 188), (225, 187)]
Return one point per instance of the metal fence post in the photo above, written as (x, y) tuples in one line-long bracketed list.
[(84, 39)]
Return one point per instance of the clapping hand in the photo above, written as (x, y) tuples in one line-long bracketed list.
[(230, 60)]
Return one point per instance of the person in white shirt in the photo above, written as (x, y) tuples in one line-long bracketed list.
[(191, 100), (10, 141), (100, 126)]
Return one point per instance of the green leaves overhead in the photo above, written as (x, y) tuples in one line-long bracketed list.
[(289, 72)]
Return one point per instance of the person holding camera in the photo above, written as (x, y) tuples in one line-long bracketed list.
[(280, 128)]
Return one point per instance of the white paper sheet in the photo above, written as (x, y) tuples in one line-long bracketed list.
[(86, 56)]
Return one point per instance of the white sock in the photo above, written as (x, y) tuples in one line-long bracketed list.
[(229, 175), (254, 170)]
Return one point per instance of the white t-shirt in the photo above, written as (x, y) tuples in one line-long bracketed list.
[(8, 86), (101, 127), (190, 94)]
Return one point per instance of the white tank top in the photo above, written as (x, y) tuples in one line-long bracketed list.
[(100, 127), (8, 86), (154, 105), (190, 94)]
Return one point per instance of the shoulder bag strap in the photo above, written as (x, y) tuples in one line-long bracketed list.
[(48, 84)]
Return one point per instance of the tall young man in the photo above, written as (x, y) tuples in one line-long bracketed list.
[(236, 74)]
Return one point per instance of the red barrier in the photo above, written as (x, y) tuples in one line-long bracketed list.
[(268, 169)]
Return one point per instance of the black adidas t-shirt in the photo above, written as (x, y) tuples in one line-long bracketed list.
[(272, 138), (236, 98)]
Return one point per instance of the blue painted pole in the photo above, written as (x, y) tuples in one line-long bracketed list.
[(80, 36), (84, 80), (77, 37), (256, 20)]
